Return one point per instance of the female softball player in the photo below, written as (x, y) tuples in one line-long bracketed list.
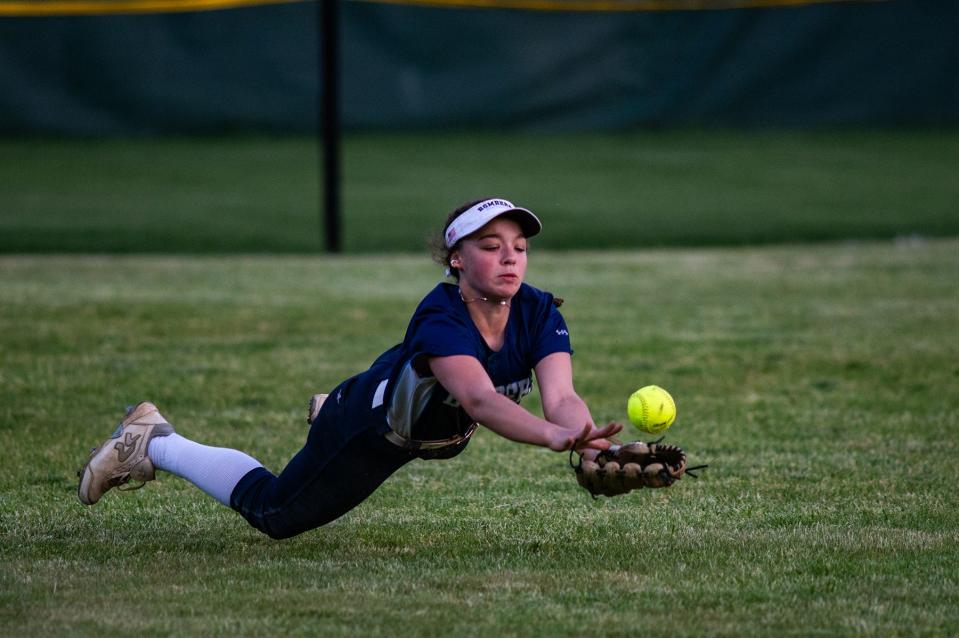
[(468, 357)]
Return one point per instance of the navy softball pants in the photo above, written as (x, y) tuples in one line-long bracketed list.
[(344, 460)]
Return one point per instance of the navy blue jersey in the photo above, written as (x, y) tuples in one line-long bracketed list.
[(416, 404)]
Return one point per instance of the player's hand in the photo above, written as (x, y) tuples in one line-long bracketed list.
[(589, 438)]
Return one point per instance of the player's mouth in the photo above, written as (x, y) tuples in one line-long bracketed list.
[(509, 277)]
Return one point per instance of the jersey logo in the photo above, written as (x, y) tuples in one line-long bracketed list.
[(514, 391), (561, 333)]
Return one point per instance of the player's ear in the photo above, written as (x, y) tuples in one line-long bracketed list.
[(455, 261)]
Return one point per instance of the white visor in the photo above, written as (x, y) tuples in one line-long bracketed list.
[(480, 215)]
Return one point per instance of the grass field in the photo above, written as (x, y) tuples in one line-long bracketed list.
[(820, 383), (595, 191)]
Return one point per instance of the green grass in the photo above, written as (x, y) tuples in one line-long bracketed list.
[(593, 191), (820, 384)]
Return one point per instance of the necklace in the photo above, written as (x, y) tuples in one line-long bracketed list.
[(504, 302)]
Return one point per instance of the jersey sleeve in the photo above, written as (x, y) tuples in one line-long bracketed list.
[(440, 334), (552, 336)]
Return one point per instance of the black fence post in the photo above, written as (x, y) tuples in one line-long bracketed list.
[(330, 119)]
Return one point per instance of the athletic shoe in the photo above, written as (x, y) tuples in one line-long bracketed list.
[(123, 457)]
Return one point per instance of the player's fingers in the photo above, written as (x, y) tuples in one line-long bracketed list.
[(611, 429), (605, 432), (595, 444), (577, 441), (597, 438)]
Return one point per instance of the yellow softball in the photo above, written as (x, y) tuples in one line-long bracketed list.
[(651, 409)]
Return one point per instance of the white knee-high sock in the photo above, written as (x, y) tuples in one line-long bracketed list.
[(215, 470)]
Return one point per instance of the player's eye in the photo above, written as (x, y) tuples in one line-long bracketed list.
[(490, 247)]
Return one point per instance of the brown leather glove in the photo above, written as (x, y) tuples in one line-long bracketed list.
[(623, 468)]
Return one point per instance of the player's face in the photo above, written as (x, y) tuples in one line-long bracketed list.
[(492, 261)]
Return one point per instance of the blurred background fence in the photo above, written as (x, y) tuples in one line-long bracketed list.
[(425, 65), (192, 123)]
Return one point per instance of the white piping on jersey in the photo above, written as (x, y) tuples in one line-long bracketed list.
[(378, 395)]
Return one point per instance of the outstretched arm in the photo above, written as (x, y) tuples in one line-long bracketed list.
[(468, 382), (561, 404)]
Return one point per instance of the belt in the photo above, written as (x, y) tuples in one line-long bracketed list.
[(411, 444)]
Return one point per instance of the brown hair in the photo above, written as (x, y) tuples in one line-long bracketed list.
[(437, 241)]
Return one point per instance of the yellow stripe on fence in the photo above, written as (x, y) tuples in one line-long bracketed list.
[(105, 7), (24, 8), (611, 5)]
